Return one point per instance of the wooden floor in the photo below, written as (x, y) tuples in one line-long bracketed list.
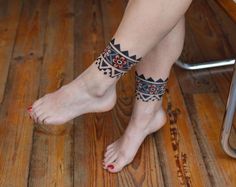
[(46, 43)]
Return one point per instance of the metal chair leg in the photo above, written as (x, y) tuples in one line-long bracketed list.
[(228, 119), (231, 103), (204, 65)]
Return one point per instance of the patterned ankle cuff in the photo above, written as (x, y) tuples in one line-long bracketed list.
[(115, 62), (149, 89)]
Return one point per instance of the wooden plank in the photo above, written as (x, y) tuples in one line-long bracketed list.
[(222, 77), (225, 23), (196, 81), (229, 6), (222, 81), (92, 131), (112, 12), (193, 81), (205, 81), (210, 37), (191, 51), (16, 128), (52, 154), (208, 82), (9, 18), (207, 111), (181, 158), (213, 81)]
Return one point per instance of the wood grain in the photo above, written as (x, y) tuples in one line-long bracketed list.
[(209, 34), (209, 120), (16, 128), (179, 151), (52, 156), (229, 6), (226, 23), (199, 86), (44, 44), (92, 132), (9, 19)]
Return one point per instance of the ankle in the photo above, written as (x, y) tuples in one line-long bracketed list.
[(147, 109), (149, 114), (149, 121), (99, 88), (95, 83)]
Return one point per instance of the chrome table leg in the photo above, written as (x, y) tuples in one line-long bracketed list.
[(231, 103), (204, 65), (228, 119)]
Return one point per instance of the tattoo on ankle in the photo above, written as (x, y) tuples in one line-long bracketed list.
[(115, 62), (149, 89)]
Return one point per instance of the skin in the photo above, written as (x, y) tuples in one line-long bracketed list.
[(161, 35), (147, 117)]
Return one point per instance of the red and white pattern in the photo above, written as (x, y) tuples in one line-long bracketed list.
[(149, 89), (115, 62)]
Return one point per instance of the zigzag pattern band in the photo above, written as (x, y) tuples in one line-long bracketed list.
[(149, 89), (115, 62)]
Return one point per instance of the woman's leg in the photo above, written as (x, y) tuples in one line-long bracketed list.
[(148, 115), (143, 25)]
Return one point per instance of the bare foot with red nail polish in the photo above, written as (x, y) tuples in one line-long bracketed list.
[(92, 91), (146, 119), (110, 166)]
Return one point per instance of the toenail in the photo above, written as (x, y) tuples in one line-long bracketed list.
[(110, 166), (29, 108)]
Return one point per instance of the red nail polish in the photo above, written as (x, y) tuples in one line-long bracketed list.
[(110, 166), (29, 108)]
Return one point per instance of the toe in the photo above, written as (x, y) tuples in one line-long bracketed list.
[(110, 160), (35, 107), (30, 111), (118, 165), (111, 145), (38, 116), (34, 113), (108, 152), (37, 103), (47, 121), (52, 120), (41, 118), (107, 158), (38, 111)]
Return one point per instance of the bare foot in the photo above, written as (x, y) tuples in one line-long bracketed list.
[(89, 92), (146, 119)]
